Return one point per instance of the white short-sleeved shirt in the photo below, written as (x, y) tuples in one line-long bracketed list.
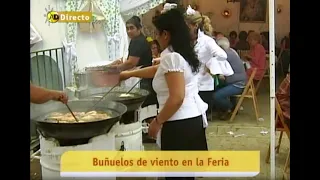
[(193, 105), (214, 58)]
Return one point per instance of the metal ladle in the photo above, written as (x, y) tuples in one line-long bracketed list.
[(110, 91), (72, 113), (102, 97), (133, 86)]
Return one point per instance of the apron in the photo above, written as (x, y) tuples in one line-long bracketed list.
[(202, 107)]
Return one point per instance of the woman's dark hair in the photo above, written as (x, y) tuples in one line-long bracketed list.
[(243, 35), (136, 21), (173, 22), (233, 33)]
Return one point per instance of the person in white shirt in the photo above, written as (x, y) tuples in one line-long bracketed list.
[(181, 121), (212, 57)]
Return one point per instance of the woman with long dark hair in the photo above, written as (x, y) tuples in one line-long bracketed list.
[(181, 121)]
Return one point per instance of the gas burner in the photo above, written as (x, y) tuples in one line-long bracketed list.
[(51, 153), (146, 115), (123, 137), (129, 117)]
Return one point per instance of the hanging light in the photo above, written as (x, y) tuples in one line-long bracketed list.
[(226, 13)]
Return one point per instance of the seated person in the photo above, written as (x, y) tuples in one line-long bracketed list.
[(256, 56), (283, 97), (219, 35), (155, 48), (242, 43), (250, 31), (234, 83), (233, 39)]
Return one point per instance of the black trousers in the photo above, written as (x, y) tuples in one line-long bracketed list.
[(184, 135)]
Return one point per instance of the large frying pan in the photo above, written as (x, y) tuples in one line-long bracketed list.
[(78, 130), (133, 103)]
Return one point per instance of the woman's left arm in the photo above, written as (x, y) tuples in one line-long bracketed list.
[(176, 85), (147, 72)]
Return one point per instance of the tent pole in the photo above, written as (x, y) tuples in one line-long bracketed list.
[(272, 88)]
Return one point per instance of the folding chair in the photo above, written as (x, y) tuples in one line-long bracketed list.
[(282, 128), (248, 92), (286, 169), (266, 73)]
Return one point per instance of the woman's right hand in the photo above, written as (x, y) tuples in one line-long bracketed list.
[(124, 75)]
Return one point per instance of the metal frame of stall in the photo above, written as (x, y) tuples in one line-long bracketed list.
[(272, 88)]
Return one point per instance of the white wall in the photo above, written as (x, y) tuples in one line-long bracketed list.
[(91, 48), (52, 35)]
